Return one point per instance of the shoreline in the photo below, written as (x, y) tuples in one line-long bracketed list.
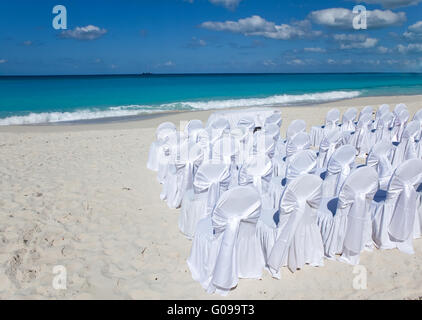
[(154, 119)]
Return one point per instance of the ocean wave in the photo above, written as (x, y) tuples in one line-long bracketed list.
[(134, 110)]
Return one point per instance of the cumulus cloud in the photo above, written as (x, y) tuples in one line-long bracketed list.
[(392, 4), (89, 32), (3, 61), (414, 32), (343, 18), (257, 26), (355, 41), (410, 48)]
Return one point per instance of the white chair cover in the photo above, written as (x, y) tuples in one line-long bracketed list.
[(379, 159), (300, 141), (257, 171), (399, 124), (259, 114), (181, 172), (217, 128), (298, 241), (243, 141), (274, 119), (162, 134), (383, 131), (329, 144), (418, 117), (361, 139), (331, 122), (302, 162), (204, 141), (366, 110), (350, 228), (226, 246), (211, 180), (272, 130), (382, 110), (407, 148), (348, 121), (295, 127), (394, 219), (339, 167), (192, 128), (247, 122)]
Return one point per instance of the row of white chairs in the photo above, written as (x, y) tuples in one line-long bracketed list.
[(257, 201)]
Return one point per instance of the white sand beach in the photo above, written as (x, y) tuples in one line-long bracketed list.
[(80, 196)]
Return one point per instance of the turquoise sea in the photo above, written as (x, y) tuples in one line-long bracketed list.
[(29, 100)]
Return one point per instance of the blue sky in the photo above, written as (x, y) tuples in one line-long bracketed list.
[(189, 36)]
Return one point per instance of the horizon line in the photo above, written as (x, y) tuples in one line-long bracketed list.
[(148, 74)]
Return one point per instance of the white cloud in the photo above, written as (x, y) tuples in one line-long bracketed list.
[(383, 50), (355, 41), (167, 64), (257, 26), (319, 50), (296, 62), (392, 4), (410, 48), (27, 43), (343, 18), (229, 4), (414, 32), (89, 32), (3, 61), (269, 63)]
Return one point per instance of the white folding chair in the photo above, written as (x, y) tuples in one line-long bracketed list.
[(328, 145), (211, 180), (380, 159), (331, 122), (338, 169), (346, 221), (292, 237), (348, 121), (162, 134), (394, 217), (226, 246), (407, 148), (181, 173)]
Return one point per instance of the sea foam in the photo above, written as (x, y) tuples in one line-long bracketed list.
[(134, 110)]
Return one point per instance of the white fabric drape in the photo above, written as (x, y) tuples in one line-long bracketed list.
[(361, 139), (181, 173), (394, 218), (329, 144), (299, 241), (162, 134), (407, 148), (211, 180), (338, 169), (348, 121), (302, 162), (347, 226), (331, 122), (226, 246), (379, 159)]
